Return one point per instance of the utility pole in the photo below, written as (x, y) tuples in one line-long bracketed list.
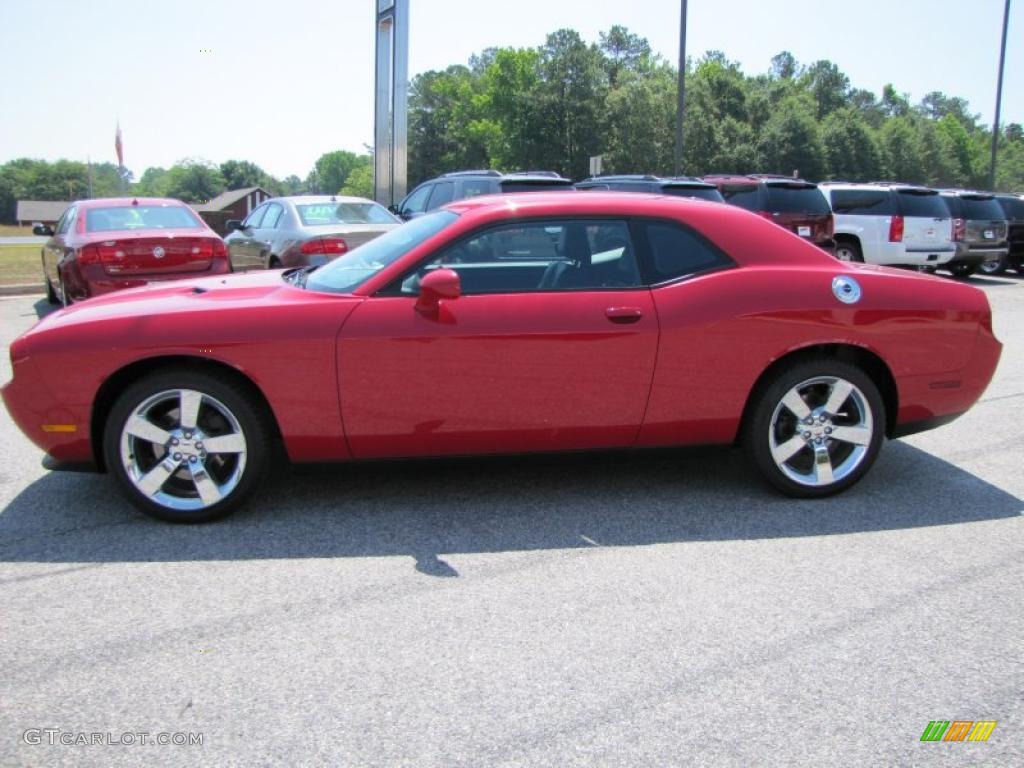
[(999, 100), (680, 108)]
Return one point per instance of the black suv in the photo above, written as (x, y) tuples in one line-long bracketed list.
[(680, 186), (460, 184), (1013, 207)]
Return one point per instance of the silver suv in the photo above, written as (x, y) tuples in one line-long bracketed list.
[(890, 223)]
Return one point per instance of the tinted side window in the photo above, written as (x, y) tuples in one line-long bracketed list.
[(443, 194), (744, 197), (272, 216), (538, 256), (862, 202), (676, 252), (417, 201), (253, 219), (927, 204), (477, 187)]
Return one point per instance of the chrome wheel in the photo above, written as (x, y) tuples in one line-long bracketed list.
[(820, 431), (183, 450)]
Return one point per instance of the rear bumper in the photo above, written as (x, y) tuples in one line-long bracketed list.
[(98, 282), (976, 254)]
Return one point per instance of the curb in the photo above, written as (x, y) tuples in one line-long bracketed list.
[(21, 290)]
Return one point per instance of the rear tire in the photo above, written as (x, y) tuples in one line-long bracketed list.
[(187, 446), (962, 270), (816, 428), (848, 250), (993, 268)]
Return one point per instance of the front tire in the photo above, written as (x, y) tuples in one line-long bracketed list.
[(187, 446), (815, 428)]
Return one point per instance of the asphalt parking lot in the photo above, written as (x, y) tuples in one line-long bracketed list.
[(650, 609)]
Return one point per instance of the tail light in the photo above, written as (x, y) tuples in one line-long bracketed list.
[(959, 228), (325, 245), (208, 249), (896, 229), (101, 254), (830, 226)]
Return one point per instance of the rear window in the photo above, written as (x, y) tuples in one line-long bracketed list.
[(701, 193), (315, 214), (519, 185), (981, 208), (140, 217), (743, 196), (862, 202), (922, 203), (1013, 207), (954, 206), (783, 198)]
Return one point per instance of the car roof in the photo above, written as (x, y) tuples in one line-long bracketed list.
[(124, 202), (300, 199), (876, 186), (753, 179), (664, 181)]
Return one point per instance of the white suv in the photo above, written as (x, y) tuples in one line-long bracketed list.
[(894, 224)]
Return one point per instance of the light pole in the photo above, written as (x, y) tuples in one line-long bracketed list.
[(999, 100), (680, 107)]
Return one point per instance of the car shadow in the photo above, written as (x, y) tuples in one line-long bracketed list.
[(43, 307), (993, 281), (424, 509)]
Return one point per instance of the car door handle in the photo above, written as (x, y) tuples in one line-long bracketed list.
[(623, 314)]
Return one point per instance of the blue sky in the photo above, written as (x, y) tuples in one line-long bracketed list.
[(280, 83)]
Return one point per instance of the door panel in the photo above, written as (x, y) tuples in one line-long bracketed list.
[(497, 373)]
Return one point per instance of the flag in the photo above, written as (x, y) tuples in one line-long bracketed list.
[(118, 147)]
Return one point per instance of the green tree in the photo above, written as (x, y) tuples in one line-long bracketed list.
[(851, 148), (239, 174), (901, 150), (153, 183), (331, 171), (360, 181), (829, 87), (791, 140), (194, 180)]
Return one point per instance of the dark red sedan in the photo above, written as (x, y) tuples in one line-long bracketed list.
[(108, 244), (546, 322)]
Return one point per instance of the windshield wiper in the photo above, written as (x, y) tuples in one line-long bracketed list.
[(299, 276)]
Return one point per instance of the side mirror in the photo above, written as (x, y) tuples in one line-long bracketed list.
[(234, 225), (42, 230), (393, 208), (435, 286)]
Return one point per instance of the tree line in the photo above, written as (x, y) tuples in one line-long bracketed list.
[(554, 106), (193, 180)]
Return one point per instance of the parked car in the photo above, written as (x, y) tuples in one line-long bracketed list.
[(794, 204), (306, 229), (891, 224), (678, 186), (459, 185), (979, 231), (1013, 209), (108, 244), (552, 322)]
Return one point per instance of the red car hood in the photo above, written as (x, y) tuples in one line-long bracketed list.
[(198, 294)]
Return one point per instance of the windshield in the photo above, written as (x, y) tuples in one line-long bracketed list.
[(140, 217), (314, 214), (350, 270)]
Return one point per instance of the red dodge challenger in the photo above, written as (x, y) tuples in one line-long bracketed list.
[(541, 322)]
